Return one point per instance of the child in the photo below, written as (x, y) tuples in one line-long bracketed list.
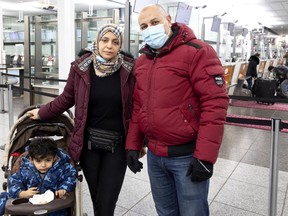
[(45, 168)]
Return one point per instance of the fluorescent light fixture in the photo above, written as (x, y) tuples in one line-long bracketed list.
[(26, 6), (94, 2)]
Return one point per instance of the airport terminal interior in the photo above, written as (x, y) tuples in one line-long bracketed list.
[(251, 173)]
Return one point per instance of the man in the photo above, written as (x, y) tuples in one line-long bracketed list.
[(252, 69), (180, 103)]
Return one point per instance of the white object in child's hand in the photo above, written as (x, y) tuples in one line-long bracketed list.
[(40, 199)]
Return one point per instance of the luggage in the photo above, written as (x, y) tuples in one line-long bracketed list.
[(245, 92), (264, 88)]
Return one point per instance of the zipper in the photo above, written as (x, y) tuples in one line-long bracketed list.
[(149, 110), (193, 112)]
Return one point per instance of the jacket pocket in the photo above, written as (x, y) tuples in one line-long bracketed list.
[(217, 75), (191, 114)]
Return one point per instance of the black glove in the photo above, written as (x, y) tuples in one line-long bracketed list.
[(133, 161), (200, 170)]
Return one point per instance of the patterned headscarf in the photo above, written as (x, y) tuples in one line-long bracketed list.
[(109, 67)]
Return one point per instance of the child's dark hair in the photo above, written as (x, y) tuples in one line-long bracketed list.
[(42, 147)]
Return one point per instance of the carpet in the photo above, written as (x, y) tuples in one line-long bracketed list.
[(255, 105), (256, 122)]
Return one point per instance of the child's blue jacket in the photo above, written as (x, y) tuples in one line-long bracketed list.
[(61, 176)]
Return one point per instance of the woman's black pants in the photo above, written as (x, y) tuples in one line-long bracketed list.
[(104, 172)]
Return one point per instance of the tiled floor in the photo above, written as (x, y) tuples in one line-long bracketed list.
[(239, 186)]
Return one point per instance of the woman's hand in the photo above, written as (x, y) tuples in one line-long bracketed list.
[(34, 114), (28, 193)]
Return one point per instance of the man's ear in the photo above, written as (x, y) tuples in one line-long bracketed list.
[(169, 19)]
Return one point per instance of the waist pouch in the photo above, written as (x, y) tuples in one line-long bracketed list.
[(103, 139)]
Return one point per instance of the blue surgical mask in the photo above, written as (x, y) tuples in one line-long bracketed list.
[(100, 59), (155, 36)]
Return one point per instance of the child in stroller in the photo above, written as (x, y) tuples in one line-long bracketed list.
[(44, 168), (22, 132)]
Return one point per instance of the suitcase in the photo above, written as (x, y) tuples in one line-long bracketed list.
[(265, 88)]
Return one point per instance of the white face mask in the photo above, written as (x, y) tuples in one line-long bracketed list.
[(155, 36)]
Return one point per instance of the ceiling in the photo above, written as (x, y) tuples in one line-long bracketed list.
[(273, 14)]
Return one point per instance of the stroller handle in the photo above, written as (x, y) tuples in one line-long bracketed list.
[(38, 106)]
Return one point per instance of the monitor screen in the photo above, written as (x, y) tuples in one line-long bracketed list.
[(43, 34), (244, 32), (231, 28), (183, 13), (139, 4), (21, 36), (14, 36), (216, 24)]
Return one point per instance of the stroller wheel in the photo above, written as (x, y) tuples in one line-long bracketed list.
[(284, 88)]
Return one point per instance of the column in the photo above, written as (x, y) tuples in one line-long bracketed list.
[(66, 38), (2, 57)]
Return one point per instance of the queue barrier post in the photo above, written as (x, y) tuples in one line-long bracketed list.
[(273, 184)]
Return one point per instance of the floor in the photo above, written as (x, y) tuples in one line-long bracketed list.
[(239, 186)]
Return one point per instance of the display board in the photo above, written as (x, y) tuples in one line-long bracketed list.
[(139, 4), (244, 32), (230, 28), (209, 36), (183, 13), (216, 24)]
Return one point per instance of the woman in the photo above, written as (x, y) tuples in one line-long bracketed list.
[(100, 85)]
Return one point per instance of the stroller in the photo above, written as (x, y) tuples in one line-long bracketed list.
[(23, 130)]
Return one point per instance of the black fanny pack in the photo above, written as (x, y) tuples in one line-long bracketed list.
[(103, 139)]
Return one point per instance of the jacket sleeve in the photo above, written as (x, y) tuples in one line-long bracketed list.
[(254, 69), (134, 137), (16, 184), (4, 196), (207, 81), (61, 103), (68, 178)]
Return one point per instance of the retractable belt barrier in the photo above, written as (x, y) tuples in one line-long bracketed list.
[(9, 86), (276, 126), (264, 99)]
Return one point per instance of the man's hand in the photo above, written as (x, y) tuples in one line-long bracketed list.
[(28, 193), (143, 152), (133, 161), (200, 170)]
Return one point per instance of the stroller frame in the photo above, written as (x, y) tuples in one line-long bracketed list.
[(14, 147)]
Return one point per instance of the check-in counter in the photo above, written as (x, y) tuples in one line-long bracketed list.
[(261, 68), (228, 73)]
